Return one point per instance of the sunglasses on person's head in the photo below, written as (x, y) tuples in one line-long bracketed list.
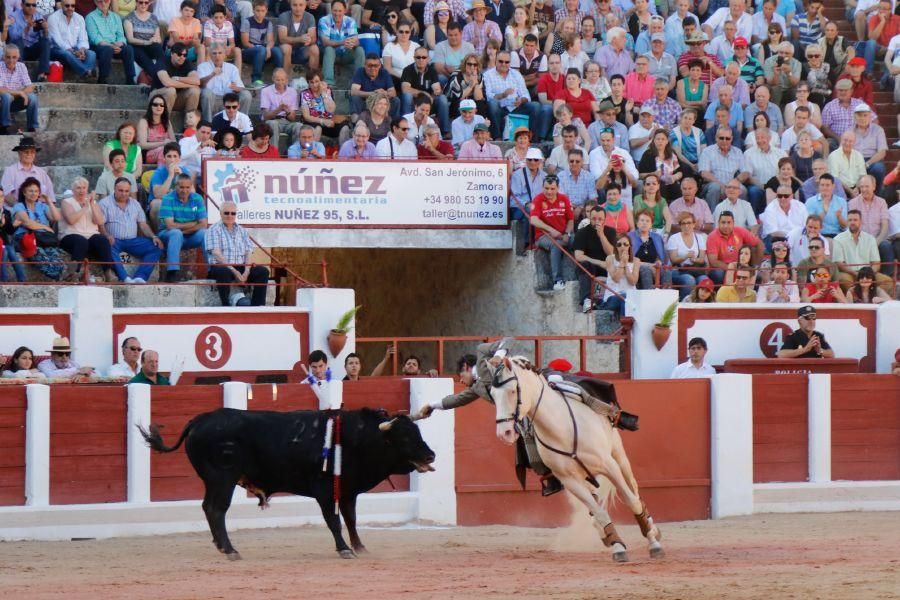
[(443, 13)]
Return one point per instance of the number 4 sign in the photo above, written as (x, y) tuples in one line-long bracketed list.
[(771, 339)]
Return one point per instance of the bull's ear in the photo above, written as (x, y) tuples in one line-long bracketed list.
[(506, 363), (387, 424)]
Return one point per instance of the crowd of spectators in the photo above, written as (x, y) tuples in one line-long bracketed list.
[(700, 132)]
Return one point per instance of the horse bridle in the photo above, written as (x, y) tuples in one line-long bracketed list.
[(497, 383)]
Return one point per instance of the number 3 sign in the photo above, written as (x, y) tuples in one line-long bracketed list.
[(213, 347), (772, 338)]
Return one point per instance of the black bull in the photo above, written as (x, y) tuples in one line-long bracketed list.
[(268, 452)]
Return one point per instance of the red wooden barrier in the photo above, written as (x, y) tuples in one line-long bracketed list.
[(780, 428), (670, 456), (865, 427), (12, 445), (171, 475), (87, 444)]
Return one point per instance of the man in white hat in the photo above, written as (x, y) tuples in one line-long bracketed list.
[(463, 126), (60, 363), (640, 133), (870, 141)]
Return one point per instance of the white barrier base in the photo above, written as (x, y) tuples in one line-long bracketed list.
[(833, 496), (53, 523)]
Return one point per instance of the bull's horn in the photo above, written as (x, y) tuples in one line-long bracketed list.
[(387, 424)]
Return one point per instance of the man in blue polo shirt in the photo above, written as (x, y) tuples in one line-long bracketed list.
[(182, 224), (367, 80)]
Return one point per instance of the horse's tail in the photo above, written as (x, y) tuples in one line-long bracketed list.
[(154, 438)]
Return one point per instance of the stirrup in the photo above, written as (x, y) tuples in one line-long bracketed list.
[(627, 421), (550, 485)]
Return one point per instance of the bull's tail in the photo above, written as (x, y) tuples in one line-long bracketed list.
[(154, 438)]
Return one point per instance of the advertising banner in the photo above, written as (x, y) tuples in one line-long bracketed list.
[(380, 193)]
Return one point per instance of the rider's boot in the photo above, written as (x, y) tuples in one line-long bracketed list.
[(550, 485)]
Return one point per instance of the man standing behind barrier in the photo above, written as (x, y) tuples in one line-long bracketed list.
[(696, 367), (806, 342), (230, 250)]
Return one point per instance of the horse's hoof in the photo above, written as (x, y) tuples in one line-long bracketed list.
[(657, 552), (233, 555), (620, 556), (348, 553)]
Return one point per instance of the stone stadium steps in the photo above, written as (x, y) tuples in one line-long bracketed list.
[(86, 119)]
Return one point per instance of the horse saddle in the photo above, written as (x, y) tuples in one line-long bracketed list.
[(599, 396)]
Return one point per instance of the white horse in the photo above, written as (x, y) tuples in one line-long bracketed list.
[(576, 444)]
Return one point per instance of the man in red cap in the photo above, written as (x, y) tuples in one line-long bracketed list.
[(862, 85)]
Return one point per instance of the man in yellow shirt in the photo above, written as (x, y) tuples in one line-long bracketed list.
[(741, 291)]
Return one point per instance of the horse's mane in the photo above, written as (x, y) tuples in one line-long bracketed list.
[(524, 363)]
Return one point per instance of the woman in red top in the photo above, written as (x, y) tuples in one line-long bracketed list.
[(580, 100), (823, 290), (259, 146)]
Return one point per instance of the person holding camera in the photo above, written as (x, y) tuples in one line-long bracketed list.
[(783, 74), (306, 146)]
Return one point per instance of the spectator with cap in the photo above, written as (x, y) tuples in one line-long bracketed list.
[(837, 114), (230, 261), (480, 29), (16, 92), (663, 66), (640, 134), (710, 65), (552, 218), (124, 217), (60, 364), (871, 142), (22, 169), (480, 147), (149, 373), (750, 68), (608, 121), (863, 89), (696, 366), (524, 186), (806, 342), (463, 126)]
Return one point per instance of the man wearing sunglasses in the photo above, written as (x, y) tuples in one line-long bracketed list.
[(107, 39), (782, 216), (806, 342), (60, 363), (177, 82), (28, 31), (741, 291), (230, 250), (130, 363), (69, 40)]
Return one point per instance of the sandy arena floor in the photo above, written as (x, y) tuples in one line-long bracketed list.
[(842, 556)]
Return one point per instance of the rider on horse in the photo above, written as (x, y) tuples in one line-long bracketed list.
[(475, 372)]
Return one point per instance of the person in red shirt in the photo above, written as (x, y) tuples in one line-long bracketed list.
[(551, 83), (862, 85), (580, 100), (552, 218), (433, 147), (259, 146), (882, 27), (823, 290), (724, 245)]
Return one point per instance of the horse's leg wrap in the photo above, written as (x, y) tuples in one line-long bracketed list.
[(645, 522), (611, 536)]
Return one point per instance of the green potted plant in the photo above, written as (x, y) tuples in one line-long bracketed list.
[(337, 337), (663, 329)]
